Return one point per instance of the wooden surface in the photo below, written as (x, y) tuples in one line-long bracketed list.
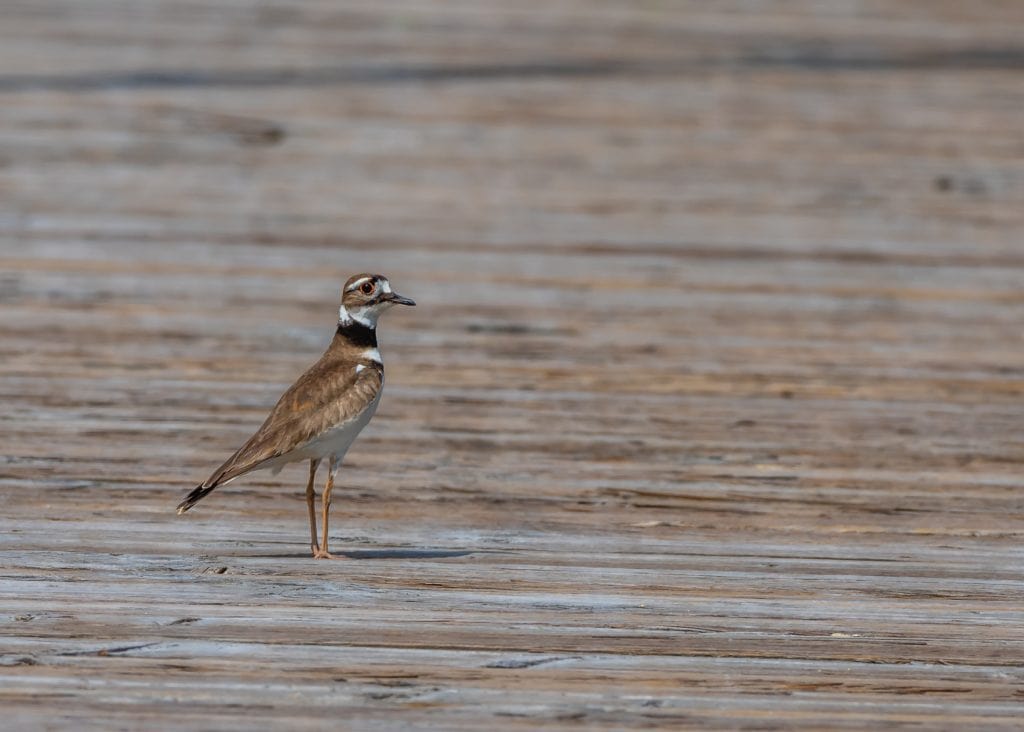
[(710, 415)]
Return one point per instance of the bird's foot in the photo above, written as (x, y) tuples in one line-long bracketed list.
[(321, 554)]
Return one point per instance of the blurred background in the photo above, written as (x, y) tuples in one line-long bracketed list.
[(783, 127), (699, 284)]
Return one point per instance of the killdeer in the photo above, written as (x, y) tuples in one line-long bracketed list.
[(323, 412)]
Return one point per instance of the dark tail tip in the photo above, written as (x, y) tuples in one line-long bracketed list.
[(193, 498)]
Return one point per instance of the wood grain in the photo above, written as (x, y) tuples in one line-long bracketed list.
[(710, 415)]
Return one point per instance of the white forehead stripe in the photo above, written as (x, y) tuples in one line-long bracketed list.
[(358, 282)]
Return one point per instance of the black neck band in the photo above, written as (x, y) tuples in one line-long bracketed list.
[(357, 334)]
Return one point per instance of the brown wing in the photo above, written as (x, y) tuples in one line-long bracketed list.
[(328, 394)]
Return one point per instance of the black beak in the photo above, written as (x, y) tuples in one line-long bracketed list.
[(397, 299)]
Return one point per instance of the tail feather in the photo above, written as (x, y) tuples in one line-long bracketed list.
[(194, 497)]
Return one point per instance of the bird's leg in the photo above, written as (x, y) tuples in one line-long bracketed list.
[(311, 504), (332, 468)]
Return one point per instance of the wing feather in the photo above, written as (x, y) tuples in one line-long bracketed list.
[(327, 395)]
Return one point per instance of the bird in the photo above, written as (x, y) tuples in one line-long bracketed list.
[(321, 414)]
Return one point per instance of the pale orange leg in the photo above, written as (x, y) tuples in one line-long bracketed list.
[(311, 504), (332, 468)]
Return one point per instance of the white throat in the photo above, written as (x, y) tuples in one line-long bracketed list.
[(363, 316)]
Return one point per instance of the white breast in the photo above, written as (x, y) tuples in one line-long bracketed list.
[(337, 440), (334, 442)]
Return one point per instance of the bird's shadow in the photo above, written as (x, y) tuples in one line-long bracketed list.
[(376, 554), (406, 553)]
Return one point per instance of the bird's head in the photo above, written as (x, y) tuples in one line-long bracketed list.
[(365, 296)]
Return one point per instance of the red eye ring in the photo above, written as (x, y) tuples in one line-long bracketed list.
[(367, 288)]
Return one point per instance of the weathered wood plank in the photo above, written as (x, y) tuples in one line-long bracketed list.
[(709, 416)]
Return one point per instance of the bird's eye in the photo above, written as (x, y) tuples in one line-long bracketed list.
[(367, 288)]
